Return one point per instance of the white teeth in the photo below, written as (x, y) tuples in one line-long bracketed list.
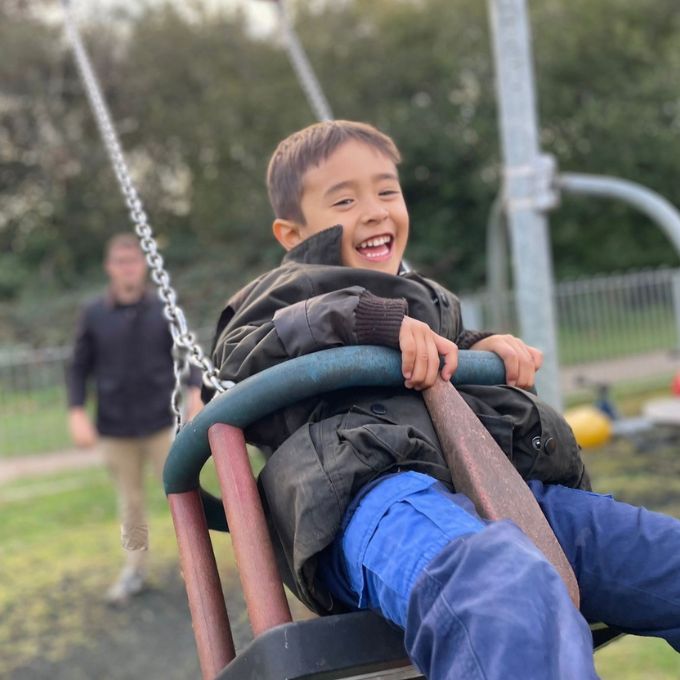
[(375, 242)]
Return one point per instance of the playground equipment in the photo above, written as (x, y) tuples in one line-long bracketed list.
[(245, 403), (303, 69), (357, 645), (531, 189), (590, 425)]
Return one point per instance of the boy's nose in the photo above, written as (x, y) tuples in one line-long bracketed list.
[(376, 214)]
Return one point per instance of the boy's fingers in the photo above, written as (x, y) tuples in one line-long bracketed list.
[(421, 360), (525, 376), (536, 356), (407, 346), (449, 351), (528, 358), (512, 369), (432, 362), (526, 372)]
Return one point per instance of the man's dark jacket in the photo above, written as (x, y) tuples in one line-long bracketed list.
[(322, 451), (127, 349)]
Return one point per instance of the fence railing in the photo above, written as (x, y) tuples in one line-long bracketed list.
[(598, 318), (32, 401), (33, 405)]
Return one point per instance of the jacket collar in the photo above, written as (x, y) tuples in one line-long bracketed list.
[(324, 247)]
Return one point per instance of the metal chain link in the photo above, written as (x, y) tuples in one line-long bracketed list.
[(183, 339)]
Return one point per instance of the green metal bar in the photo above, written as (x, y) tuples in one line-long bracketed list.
[(292, 381)]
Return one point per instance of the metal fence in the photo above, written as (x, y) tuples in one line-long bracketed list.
[(598, 319), (32, 401)]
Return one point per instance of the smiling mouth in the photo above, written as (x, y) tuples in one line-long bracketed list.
[(376, 248)]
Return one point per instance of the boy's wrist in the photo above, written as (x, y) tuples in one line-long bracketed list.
[(378, 320)]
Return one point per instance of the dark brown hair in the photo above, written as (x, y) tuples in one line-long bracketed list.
[(307, 148)]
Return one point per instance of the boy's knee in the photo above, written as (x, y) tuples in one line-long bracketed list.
[(497, 567), (492, 596)]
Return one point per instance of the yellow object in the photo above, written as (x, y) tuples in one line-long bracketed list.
[(591, 427)]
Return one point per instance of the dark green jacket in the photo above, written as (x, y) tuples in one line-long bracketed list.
[(321, 452)]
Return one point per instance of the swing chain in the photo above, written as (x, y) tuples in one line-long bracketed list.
[(183, 339)]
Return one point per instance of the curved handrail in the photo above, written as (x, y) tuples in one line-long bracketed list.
[(292, 381)]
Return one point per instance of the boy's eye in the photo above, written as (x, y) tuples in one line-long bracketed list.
[(390, 192), (343, 201)]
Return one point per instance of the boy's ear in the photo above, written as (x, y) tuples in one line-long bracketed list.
[(287, 233)]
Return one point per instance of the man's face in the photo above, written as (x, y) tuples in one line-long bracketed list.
[(358, 187), (126, 268)]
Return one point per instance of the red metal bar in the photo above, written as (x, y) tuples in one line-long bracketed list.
[(208, 611), (484, 474), (262, 588)]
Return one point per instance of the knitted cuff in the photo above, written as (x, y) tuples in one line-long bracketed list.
[(378, 320), (468, 338)]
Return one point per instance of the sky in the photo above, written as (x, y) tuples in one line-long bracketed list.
[(262, 14)]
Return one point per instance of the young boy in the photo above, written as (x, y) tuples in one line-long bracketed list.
[(355, 483)]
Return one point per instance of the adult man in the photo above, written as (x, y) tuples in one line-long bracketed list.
[(124, 343)]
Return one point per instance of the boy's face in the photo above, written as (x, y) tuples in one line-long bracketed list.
[(358, 187)]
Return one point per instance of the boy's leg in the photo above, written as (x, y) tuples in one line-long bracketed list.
[(476, 600), (626, 559)]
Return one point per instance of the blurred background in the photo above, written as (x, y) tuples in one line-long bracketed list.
[(201, 92)]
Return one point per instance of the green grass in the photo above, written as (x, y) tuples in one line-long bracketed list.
[(33, 421), (60, 552), (610, 338), (635, 658)]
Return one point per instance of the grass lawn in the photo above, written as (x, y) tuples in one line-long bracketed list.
[(33, 421), (60, 551), (609, 338)]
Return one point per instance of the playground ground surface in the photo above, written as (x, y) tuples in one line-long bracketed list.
[(60, 552)]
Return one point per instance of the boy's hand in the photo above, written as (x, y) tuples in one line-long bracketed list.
[(521, 360), (420, 349)]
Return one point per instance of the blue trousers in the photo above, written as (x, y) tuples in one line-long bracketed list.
[(477, 600)]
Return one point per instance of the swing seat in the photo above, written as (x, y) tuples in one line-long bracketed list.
[(354, 645)]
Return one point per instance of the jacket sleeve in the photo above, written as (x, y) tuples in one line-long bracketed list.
[(350, 316), (79, 368), (467, 338)]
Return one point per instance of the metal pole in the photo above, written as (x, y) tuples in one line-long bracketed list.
[(497, 274), (526, 184), (675, 288), (482, 472), (262, 588), (645, 200), (208, 611), (303, 69)]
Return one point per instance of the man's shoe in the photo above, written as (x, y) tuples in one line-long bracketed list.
[(129, 583)]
